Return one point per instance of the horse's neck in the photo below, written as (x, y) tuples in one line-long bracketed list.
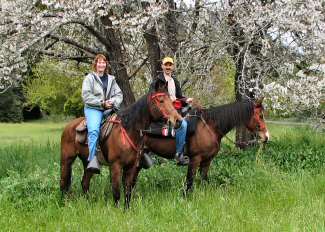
[(140, 119), (222, 123)]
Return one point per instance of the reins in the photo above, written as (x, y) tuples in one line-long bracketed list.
[(124, 136), (219, 132)]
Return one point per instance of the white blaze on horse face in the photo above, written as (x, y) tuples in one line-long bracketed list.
[(267, 135), (264, 135)]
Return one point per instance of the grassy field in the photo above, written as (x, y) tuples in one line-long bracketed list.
[(282, 190)]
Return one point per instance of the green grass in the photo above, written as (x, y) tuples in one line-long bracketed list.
[(284, 191), (29, 132)]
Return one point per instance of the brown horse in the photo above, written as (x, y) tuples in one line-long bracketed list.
[(121, 148), (213, 124)]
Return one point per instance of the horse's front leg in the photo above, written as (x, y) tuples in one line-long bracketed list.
[(116, 181), (85, 183), (129, 178), (135, 177), (191, 172)]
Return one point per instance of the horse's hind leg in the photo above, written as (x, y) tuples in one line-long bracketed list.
[(191, 172), (204, 169), (85, 183), (67, 159), (116, 182)]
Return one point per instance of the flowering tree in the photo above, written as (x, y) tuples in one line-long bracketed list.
[(74, 30), (268, 41)]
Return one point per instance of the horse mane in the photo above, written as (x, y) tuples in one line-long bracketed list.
[(130, 115), (228, 116)]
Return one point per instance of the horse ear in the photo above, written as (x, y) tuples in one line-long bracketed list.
[(259, 101), (161, 86)]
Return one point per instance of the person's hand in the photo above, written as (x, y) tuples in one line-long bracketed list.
[(108, 104), (189, 100)]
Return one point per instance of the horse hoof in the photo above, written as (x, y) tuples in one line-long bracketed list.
[(117, 204)]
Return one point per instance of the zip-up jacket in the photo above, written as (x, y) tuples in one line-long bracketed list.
[(93, 93)]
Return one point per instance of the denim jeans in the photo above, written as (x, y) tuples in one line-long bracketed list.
[(181, 136), (93, 119)]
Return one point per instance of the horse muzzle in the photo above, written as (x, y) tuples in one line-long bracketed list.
[(264, 135)]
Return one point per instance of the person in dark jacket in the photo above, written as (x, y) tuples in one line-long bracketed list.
[(175, 93)]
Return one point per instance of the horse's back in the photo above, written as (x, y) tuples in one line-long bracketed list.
[(70, 128)]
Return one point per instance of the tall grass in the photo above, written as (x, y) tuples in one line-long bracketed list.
[(282, 192)]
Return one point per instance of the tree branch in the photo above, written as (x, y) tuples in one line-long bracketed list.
[(138, 69), (75, 44), (196, 16), (84, 59), (94, 32)]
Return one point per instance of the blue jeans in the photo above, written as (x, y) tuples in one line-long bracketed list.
[(93, 119), (181, 136)]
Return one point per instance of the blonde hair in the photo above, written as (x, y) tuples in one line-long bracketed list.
[(97, 57)]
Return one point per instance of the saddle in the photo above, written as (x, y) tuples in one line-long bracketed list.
[(164, 129), (106, 128)]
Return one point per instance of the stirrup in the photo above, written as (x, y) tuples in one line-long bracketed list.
[(146, 161), (181, 160)]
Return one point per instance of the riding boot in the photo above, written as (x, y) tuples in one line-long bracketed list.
[(146, 161), (94, 166), (181, 159)]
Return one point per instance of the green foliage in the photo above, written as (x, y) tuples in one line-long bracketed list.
[(56, 88), (74, 104), (11, 106), (139, 84), (224, 73), (217, 90)]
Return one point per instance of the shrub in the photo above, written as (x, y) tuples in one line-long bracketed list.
[(56, 88), (11, 106)]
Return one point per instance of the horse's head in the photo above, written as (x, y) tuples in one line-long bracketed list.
[(160, 105), (257, 123)]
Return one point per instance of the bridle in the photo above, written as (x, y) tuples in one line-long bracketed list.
[(155, 99), (260, 125)]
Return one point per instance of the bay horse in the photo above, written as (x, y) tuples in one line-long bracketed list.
[(212, 125), (121, 148)]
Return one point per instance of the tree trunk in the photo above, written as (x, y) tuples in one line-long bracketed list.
[(237, 51), (155, 52), (116, 60), (171, 30), (153, 48)]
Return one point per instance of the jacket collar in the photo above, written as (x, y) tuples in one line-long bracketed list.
[(98, 78), (162, 77)]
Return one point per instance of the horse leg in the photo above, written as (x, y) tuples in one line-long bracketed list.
[(135, 177), (204, 168), (116, 181), (85, 183), (191, 172), (67, 159), (129, 181)]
